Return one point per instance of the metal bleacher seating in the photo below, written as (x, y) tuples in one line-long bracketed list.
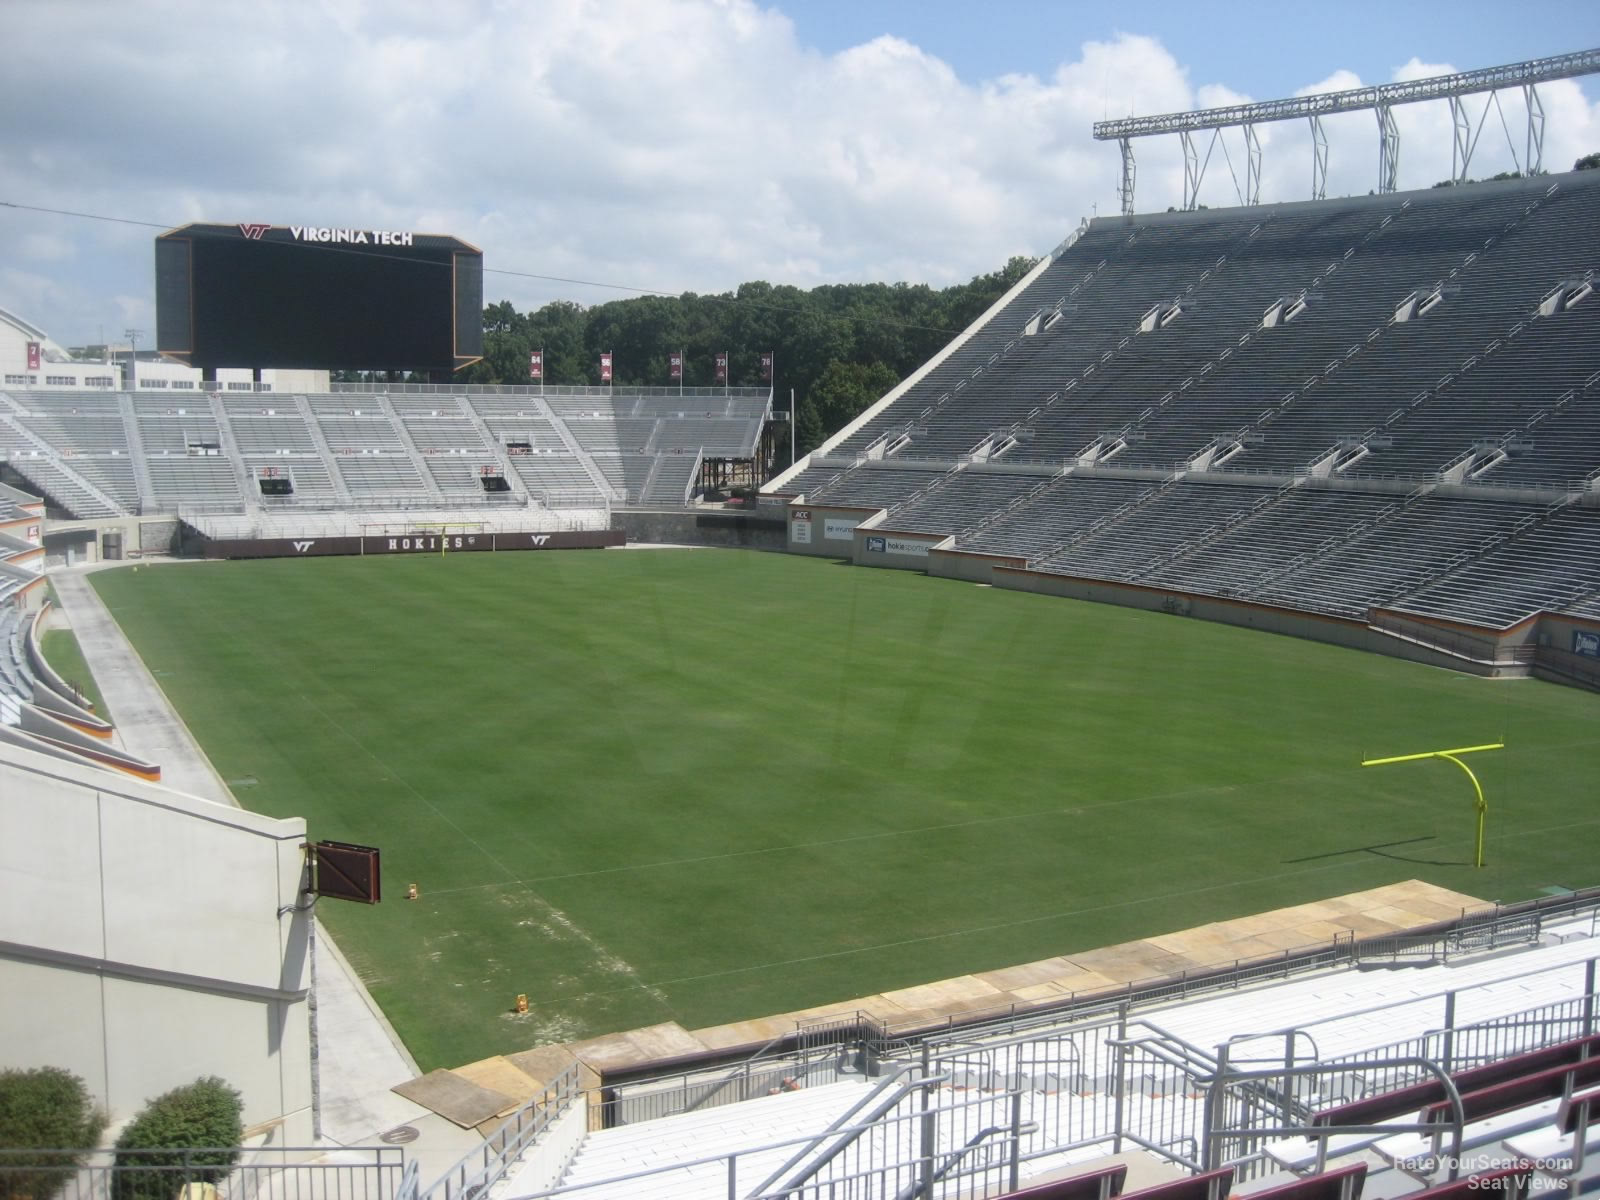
[(307, 473), (554, 475), (813, 477), (1330, 406), (1068, 506), (674, 475), (626, 473), (1399, 549), (447, 432), (1154, 531), (952, 499), (105, 453), (364, 433), (187, 481), (50, 477), (1329, 1083), (381, 476), (1553, 563), (1270, 538), (871, 485), (460, 476)]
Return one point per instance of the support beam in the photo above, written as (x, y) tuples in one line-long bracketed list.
[(1379, 99), (1319, 159), (1488, 79), (1252, 166), (1192, 171), (1129, 171), (1388, 151), (1461, 140), (1535, 152)]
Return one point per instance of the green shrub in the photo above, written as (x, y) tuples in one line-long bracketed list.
[(189, 1135), (44, 1109)]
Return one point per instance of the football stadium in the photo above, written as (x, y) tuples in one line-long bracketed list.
[(1198, 797)]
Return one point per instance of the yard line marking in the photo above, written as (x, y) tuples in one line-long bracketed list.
[(1152, 797), (1075, 912), (952, 933), (1069, 810)]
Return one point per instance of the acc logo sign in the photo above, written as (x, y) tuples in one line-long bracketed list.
[(302, 547), (877, 545), (252, 230)]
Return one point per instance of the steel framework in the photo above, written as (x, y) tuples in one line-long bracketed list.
[(1379, 99)]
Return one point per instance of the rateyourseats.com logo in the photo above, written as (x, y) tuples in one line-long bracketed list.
[(1477, 1164)]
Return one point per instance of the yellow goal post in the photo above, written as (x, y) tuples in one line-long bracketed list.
[(1451, 756)]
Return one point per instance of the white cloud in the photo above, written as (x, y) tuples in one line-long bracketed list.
[(673, 144)]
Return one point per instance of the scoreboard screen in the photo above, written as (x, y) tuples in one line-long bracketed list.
[(317, 298)]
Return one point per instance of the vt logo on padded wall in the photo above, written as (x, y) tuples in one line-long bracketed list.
[(302, 547), (252, 230)]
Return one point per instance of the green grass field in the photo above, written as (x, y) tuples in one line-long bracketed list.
[(60, 650), (709, 785)]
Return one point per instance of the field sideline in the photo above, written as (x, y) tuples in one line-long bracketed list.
[(710, 785)]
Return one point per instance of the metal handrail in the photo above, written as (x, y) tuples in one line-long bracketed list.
[(510, 1140), (953, 1160), (724, 1157), (1216, 1133), (848, 1137), (843, 1120)]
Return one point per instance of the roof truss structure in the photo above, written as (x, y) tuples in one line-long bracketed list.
[(1380, 100)]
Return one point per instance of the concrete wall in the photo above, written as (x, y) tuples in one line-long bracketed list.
[(1472, 641), (148, 938), (760, 530), (974, 568), (140, 535), (1568, 650), (826, 530), (1338, 631), (902, 551)]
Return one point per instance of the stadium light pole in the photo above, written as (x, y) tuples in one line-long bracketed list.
[(133, 357)]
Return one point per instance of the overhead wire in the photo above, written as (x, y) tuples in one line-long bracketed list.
[(515, 274)]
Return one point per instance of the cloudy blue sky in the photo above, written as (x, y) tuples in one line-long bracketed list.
[(689, 144)]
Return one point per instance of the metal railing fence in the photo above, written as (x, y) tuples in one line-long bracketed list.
[(487, 1164), (202, 1173), (921, 1140)]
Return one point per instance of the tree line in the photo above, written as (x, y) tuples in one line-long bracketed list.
[(839, 346)]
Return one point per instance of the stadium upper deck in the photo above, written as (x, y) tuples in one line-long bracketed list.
[(1377, 401)]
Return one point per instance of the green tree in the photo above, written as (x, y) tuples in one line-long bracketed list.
[(188, 1135), (883, 330), (44, 1109), (842, 392), (1589, 162)]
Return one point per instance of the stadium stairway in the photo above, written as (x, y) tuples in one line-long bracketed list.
[(141, 468), (596, 475), (429, 483), (319, 439), (53, 474), (519, 489), (654, 1145), (230, 448)]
